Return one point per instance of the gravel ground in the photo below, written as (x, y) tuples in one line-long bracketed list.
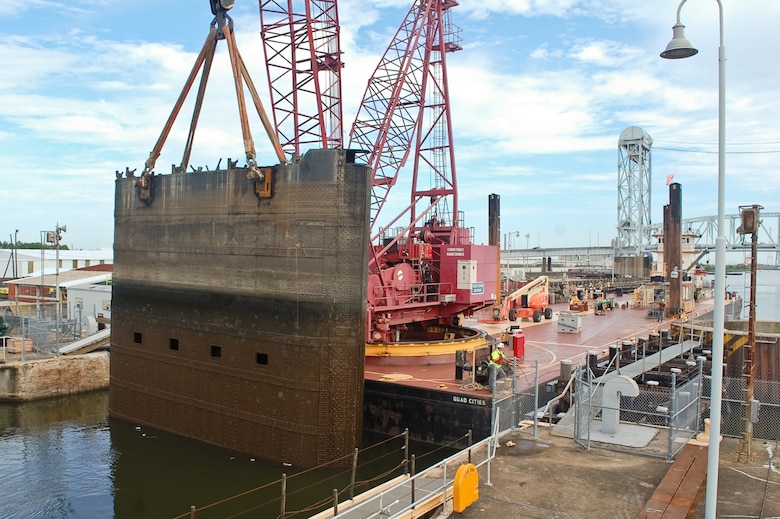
[(551, 478)]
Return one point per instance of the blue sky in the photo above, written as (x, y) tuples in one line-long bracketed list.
[(540, 94)]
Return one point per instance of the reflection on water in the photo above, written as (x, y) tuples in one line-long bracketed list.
[(64, 458), (161, 475), (56, 458)]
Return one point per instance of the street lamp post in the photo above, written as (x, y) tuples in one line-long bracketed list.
[(509, 247), (527, 246), (680, 47)]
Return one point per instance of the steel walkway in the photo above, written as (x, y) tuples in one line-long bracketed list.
[(396, 501), (87, 344), (410, 497)]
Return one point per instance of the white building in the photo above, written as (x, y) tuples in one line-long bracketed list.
[(19, 263), (89, 300)]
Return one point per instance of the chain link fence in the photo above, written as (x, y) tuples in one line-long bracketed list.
[(525, 402), (733, 412), (675, 413), (35, 335), (667, 416)]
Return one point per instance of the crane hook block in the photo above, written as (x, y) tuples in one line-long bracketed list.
[(220, 5)]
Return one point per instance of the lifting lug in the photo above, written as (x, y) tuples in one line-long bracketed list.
[(144, 186), (261, 178)]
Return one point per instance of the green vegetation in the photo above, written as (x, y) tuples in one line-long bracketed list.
[(30, 245)]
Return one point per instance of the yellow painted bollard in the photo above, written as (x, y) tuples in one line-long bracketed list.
[(466, 487)]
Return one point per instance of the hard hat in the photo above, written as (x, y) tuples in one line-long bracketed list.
[(500, 344)]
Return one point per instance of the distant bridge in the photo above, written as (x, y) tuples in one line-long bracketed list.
[(705, 228)]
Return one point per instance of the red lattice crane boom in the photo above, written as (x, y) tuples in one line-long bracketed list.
[(303, 63), (426, 270)]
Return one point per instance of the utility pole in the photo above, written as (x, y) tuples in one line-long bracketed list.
[(15, 254), (55, 238), (58, 238), (750, 224)]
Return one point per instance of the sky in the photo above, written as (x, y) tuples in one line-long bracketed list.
[(539, 96)]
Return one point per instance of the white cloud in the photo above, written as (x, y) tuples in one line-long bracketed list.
[(608, 10), (543, 53), (539, 96), (606, 53), (10, 9)]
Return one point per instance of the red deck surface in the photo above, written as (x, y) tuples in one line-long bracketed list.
[(543, 343)]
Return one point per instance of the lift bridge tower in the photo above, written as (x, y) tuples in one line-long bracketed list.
[(633, 205)]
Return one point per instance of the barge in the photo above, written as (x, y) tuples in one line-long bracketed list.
[(439, 403)]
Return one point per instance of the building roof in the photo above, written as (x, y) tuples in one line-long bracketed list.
[(67, 278), (65, 255), (90, 288)]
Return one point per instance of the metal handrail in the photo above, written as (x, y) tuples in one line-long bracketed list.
[(490, 443), (562, 395)]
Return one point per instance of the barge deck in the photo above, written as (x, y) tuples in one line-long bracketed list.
[(436, 406)]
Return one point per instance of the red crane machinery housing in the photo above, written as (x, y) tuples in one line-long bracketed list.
[(427, 270)]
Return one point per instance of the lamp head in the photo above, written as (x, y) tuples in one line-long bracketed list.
[(679, 47)]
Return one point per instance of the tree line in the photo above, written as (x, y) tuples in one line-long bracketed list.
[(29, 245)]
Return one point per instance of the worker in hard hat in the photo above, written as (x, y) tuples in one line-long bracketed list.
[(497, 358)]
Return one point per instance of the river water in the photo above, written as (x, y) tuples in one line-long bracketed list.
[(767, 293), (65, 458)]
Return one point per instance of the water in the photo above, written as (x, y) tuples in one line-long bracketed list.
[(65, 458), (54, 459), (767, 293)]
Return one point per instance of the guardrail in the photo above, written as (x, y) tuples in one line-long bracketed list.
[(416, 494)]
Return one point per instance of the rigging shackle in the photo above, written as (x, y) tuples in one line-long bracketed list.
[(219, 9)]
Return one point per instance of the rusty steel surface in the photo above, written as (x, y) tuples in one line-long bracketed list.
[(679, 491), (767, 358), (240, 321)]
